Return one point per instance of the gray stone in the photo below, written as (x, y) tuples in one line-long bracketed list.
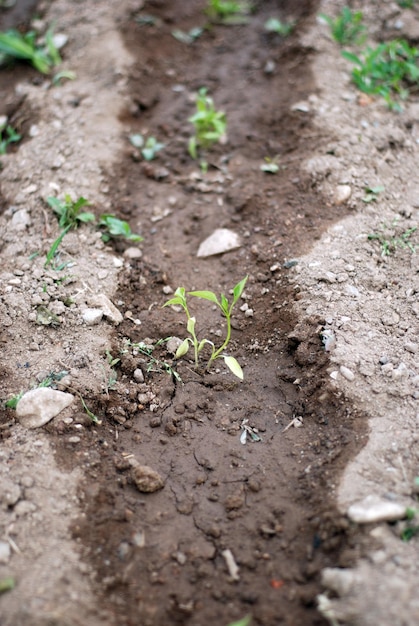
[(92, 316), (38, 406), (375, 509), (5, 552), (342, 194), (10, 492), (347, 373), (222, 240), (108, 309)]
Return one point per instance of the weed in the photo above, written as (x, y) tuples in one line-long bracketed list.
[(15, 45), (274, 25), (149, 147), (192, 35), (155, 364), (228, 12), (7, 584), (387, 71), (70, 216), (12, 402), (8, 135), (226, 309), (346, 28), (245, 621), (410, 529), (64, 74), (371, 193), (390, 241), (114, 227), (270, 166), (112, 378), (210, 124), (406, 4)]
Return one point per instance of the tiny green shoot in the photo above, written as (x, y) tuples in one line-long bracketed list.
[(245, 621), (210, 124), (275, 25), (69, 211), (154, 364), (7, 584), (189, 37), (346, 28), (226, 308), (270, 166), (15, 45), (228, 12), (114, 227), (411, 529), (388, 71), (63, 75), (149, 147), (371, 193), (8, 135), (12, 402), (391, 240), (406, 4)]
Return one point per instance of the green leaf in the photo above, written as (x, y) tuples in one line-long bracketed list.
[(234, 366), (7, 584), (174, 301), (225, 307), (238, 289), (191, 325), (183, 348), (242, 622), (205, 295), (351, 57)]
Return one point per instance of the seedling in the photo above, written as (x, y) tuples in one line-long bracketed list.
[(242, 622), (114, 227), (149, 147), (274, 25), (386, 71), (346, 28), (111, 379), (228, 12), (68, 211), (372, 193), (406, 4), (15, 45), (390, 241), (270, 166), (12, 402), (7, 584), (210, 124), (8, 135), (411, 528), (226, 308), (192, 35)]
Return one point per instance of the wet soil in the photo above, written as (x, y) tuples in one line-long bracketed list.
[(160, 558)]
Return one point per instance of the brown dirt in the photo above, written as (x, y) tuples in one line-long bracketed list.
[(157, 558)]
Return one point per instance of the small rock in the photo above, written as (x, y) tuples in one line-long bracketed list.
[(222, 240), (347, 373), (339, 580), (38, 406), (411, 346), (133, 253), (10, 493), (20, 220), (5, 552), (374, 509), (248, 313), (146, 479), (108, 309), (138, 375), (92, 316), (391, 318), (173, 344), (342, 194), (167, 290)]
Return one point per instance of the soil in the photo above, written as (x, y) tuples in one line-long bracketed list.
[(90, 536)]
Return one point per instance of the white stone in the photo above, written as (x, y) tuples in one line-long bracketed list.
[(5, 552), (133, 253), (108, 309), (38, 406), (347, 373), (374, 509), (20, 220), (342, 194), (222, 240), (92, 316)]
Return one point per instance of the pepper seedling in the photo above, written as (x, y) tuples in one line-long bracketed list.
[(226, 308)]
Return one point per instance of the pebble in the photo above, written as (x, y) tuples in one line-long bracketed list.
[(222, 240), (38, 406), (391, 318), (133, 253), (342, 194), (146, 479), (5, 552), (20, 220), (173, 344), (347, 373), (374, 509), (10, 493), (108, 309), (92, 316), (138, 375), (411, 346)]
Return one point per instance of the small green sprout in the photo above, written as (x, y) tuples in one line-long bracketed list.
[(64, 74), (7, 584), (68, 211), (226, 308), (189, 37), (346, 28), (390, 241), (274, 25), (386, 71), (12, 402), (15, 45), (411, 529), (372, 193), (149, 147), (406, 4), (245, 621), (8, 135), (155, 364), (270, 166), (228, 12), (114, 227), (210, 124)]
